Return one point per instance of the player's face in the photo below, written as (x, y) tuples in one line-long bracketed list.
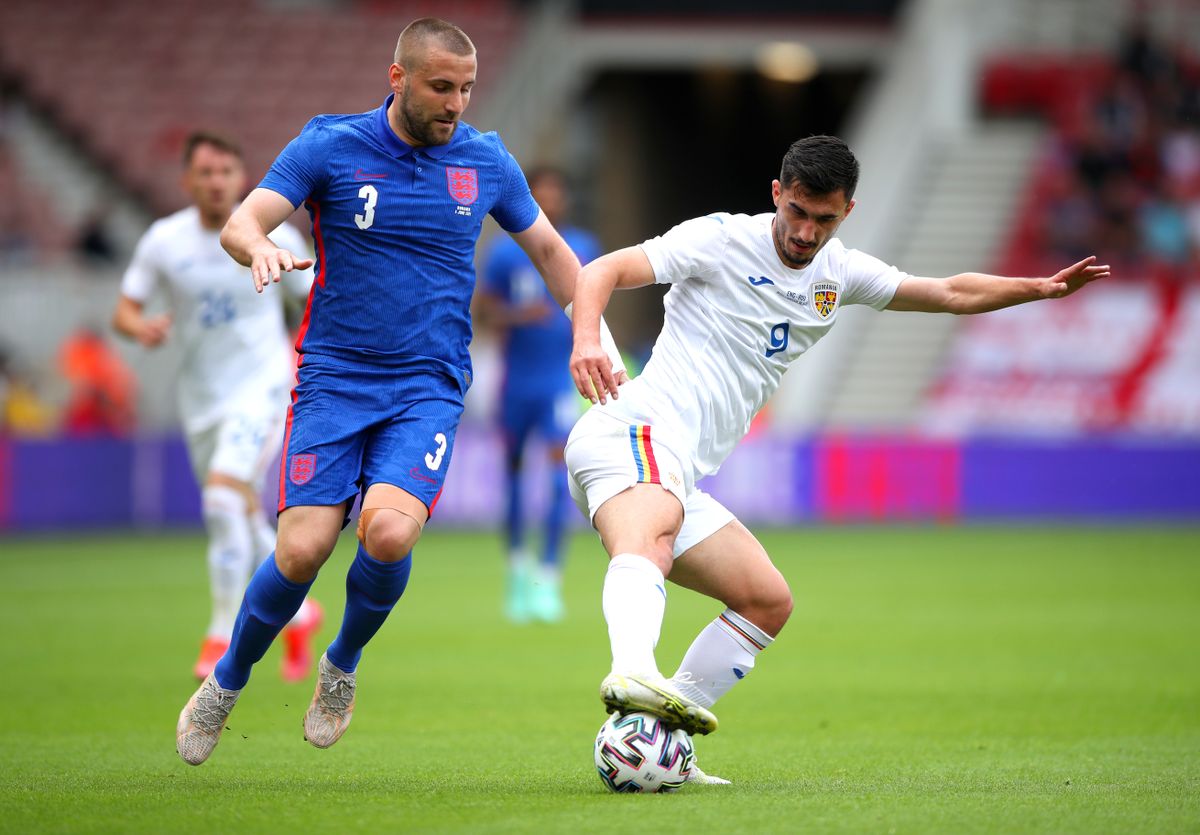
[(215, 180), (431, 98), (805, 222)]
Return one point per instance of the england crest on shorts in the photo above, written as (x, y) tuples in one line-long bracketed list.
[(825, 299), (463, 184), (302, 468)]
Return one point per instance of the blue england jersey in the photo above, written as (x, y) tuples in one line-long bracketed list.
[(395, 229), (535, 354)]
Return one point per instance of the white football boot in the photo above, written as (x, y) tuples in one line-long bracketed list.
[(332, 705), (625, 693), (701, 779), (202, 720)]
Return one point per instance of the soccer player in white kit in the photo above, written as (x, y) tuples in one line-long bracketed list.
[(749, 294), (234, 380)]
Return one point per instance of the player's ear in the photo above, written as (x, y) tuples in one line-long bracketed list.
[(776, 192), (396, 76), (849, 208)]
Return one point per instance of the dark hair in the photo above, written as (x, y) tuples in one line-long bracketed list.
[(820, 165), (204, 137), (448, 36)]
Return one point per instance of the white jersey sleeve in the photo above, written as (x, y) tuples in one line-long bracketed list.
[(868, 280), (693, 249), (297, 282), (142, 275)]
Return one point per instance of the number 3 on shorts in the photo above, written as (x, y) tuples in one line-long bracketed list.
[(433, 460)]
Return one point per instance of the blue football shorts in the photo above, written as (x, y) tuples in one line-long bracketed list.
[(351, 426), (549, 413)]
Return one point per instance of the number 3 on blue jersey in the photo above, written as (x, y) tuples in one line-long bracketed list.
[(371, 195), (779, 339)]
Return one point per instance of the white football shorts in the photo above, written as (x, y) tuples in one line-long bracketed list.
[(606, 456), (242, 445)]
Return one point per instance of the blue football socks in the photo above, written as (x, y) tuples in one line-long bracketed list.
[(372, 589), (556, 516), (269, 603), (514, 509)]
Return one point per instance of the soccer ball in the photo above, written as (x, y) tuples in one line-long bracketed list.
[(638, 752)]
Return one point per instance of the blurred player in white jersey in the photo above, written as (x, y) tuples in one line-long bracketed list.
[(749, 295), (233, 384)]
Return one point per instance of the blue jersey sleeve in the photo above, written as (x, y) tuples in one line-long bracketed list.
[(300, 170), (516, 210)]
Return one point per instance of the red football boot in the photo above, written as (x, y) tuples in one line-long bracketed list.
[(297, 642)]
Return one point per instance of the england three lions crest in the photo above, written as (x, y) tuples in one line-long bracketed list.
[(825, 299), (303, 467), (463, 184)]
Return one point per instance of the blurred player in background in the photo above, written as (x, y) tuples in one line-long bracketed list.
[(537, 394), (397, 197), (749, 295), (233, 382)]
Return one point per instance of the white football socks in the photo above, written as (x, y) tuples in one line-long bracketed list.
[(721, 656), (264, 536), (230, 554), (634, 600)]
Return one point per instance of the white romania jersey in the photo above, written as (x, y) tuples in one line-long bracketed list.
[(735, 319), (236, 351)]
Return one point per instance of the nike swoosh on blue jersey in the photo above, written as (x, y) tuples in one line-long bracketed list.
[(363, 175)]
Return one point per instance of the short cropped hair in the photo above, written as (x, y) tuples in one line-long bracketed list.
[(205, 137), (448, 36), (820, 165)]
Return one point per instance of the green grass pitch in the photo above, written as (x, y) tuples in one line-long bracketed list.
[(931, 680)]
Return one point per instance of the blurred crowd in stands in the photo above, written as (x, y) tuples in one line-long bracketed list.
[(1121, 178), (99, 391)]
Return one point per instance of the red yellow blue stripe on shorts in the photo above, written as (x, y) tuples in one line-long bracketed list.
[(643, 453)]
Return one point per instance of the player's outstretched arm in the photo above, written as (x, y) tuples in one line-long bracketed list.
[(591, 366), (245, 237), (979, 293), (130, 320)]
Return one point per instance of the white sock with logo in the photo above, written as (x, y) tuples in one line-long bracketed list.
[(721, 656), (634, 601)]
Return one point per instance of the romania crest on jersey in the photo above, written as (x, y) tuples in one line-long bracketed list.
[(463, 184), (825, 299)]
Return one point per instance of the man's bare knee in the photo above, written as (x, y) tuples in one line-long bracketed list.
[(300, 557), (767, 605), (388, 534), (305, 540)]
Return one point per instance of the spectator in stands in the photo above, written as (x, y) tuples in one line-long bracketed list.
[(22, 412), (102, 386), (93, 241)]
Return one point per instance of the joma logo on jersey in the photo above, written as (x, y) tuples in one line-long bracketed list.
[(825, 299), (463, 184)]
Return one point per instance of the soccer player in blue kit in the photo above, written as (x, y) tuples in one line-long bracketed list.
[(537, 396), (397, 198)]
